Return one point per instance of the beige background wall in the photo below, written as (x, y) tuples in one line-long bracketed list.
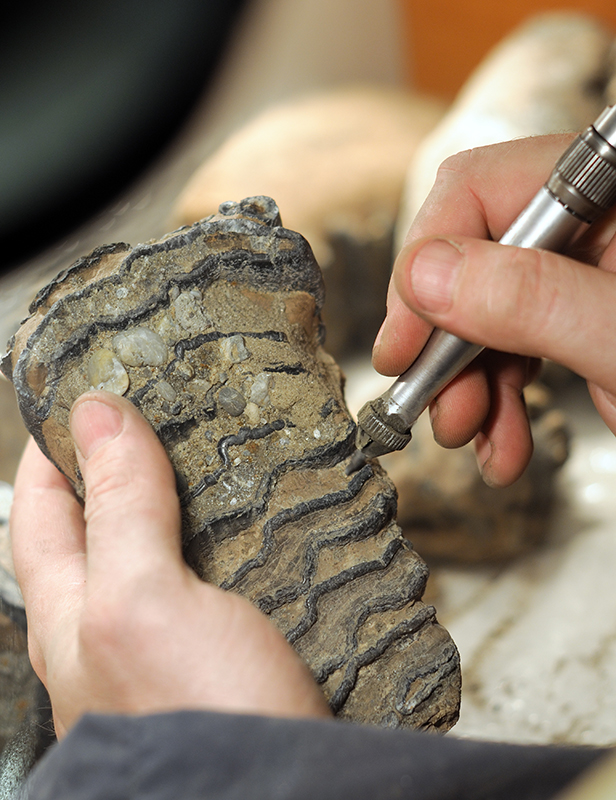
[(285, 47)]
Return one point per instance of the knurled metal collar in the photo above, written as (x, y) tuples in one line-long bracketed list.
[(584, 178), (380, 432)]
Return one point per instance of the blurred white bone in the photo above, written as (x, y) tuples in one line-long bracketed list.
[(553, 74)]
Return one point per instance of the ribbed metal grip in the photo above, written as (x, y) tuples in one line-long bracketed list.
[(584, 178)]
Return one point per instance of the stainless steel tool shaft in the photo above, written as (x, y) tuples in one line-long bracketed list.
[(582, 186)]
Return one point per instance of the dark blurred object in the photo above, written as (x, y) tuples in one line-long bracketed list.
[(90, 92)]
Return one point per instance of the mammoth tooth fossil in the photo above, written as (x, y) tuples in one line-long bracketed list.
[(214, 333)]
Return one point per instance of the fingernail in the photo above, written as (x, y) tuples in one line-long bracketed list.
[(483, 453), (93, 423), (379, 336), (433, 274)]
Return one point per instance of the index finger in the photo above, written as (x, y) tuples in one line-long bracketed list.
[(477, 193), (480, 192)]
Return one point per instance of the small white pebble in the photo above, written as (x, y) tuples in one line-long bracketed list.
[(121, 292), (233, 501), (316, 433), (184, 370), (233, 349), (200, 385), (237, 460), (259, 391), (105, 371), (166, 391), (252, 413), (189, 314), (140, 346)]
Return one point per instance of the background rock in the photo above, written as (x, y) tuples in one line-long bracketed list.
[(450, 514), (335, 162)]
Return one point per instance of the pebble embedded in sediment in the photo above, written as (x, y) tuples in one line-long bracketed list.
[(166, 391), (259, 391), (200, 386), (233, 349), (253, 413), (231, 401), (140, 347), (188, 312), (106, 371), (184, 370)]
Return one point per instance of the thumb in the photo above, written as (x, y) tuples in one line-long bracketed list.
[(131, 507), (517, 300)]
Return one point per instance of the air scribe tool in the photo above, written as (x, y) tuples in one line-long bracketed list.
[(581, 187)]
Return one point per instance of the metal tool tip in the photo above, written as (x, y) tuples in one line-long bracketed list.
[(358, 459)]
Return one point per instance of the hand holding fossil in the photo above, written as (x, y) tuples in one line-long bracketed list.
[(117, 621)]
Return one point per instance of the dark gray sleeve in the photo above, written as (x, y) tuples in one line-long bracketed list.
[(196, 755)]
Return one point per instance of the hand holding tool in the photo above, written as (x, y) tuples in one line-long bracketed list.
[(582, 186)]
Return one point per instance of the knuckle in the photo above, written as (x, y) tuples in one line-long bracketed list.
[(528, 301), (106, 473), (505, 280), (525, 269), (535, 294), (455, 167), (101, 624)]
